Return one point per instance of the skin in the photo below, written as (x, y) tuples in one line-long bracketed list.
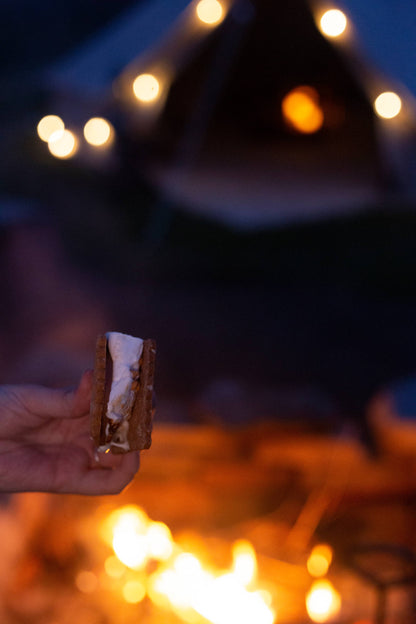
[(45, 444)]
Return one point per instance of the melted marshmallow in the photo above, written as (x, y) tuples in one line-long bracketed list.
[(125, 352)]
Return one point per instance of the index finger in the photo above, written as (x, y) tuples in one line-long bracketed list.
[(100, 481), (57, 403)]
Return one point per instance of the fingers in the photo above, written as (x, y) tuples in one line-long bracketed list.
[(82, 395), (50, 403), (112, 477)]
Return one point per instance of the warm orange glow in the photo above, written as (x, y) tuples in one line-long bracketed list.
[(319, 560), (134, 514), (113, 567), (322, 601), (180, 582), (160, 542), (226, 600), (86, 582), (98, 132), (244, 561), (333, 23), (388, 105), (301, 110), (135, 538), (48, 125), (146, 88), (63, 144), (134, 592), (210, 12), (219, 599)]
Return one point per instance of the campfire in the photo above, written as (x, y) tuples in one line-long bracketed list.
[(146, 564), (219, 527)]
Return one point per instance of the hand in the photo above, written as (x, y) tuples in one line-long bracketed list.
[(45, 444)]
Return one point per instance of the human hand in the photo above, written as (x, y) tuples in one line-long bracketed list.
[(45, 444)]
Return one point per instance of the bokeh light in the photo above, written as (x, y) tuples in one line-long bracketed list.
[(333, 23), (48, 125), (132, 514), (388, 105), (113, 567), (98, 132), (319, 560), (244, 561), (146, 88), (302, 111), (133, 592), (159, 541), (209, 11), (86, 582), (322, 601), (63, 144)]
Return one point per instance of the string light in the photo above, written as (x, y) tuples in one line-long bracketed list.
[(388, 105), (146, 88), (333, 23), (48, 125), (98, 132), (209, 11), (63, 144)]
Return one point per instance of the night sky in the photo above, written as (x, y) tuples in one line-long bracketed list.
[(38, 32)]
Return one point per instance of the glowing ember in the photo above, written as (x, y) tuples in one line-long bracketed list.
[(244, 562), (86, 582), (134, 592), (221, 599), (319, 560), (113, 567), (322, 601), (159, 540), (180, 582)]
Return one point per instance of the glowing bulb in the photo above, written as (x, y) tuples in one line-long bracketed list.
[(333, 23), (319, 560), (322, 601), (48, 125), (133, 592), (209, 11), (146, 88), (301, 110), (98, 131), (388, 105), (62, 144)]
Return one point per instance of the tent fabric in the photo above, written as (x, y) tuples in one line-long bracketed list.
[(387, 35), (92, 68), (386, 31)]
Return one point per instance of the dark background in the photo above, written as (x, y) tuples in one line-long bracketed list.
[(303, 321)]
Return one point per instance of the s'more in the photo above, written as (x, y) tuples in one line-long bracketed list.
[(122, 393)]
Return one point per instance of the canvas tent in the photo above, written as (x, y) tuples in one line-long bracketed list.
[(231, 162)]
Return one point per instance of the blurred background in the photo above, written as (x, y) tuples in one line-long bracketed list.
[(234, 178)]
